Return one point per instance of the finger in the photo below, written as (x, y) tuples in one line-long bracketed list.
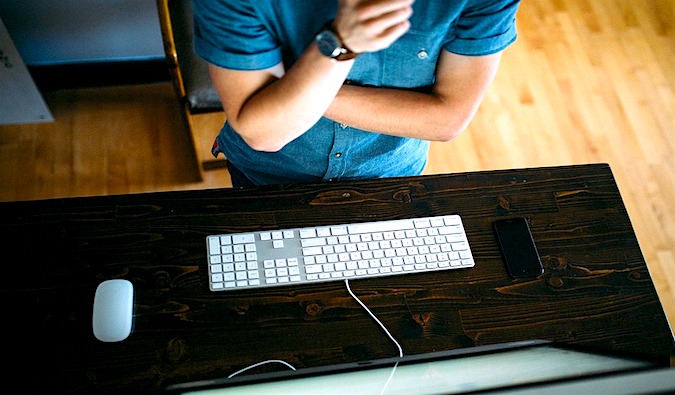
[(392, 34), (381, 24), (374, 9)]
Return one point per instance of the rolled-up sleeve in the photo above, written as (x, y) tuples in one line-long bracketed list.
[(484, 27), (230, 34)]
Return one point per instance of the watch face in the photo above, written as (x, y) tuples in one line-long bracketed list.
[(328, 44)]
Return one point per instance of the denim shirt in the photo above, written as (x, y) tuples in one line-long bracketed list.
[(254, 35)]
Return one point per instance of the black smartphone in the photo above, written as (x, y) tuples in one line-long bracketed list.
[(518, 249)]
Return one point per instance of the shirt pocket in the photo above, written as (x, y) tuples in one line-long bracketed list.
[(410, 62)]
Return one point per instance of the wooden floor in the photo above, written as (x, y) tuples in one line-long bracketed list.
[(586, 82)]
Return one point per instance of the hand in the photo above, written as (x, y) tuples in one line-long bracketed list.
[(372, 25)]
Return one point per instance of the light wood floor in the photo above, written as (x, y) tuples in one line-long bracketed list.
[(586, 82)]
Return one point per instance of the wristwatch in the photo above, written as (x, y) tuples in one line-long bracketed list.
[(330, 44)]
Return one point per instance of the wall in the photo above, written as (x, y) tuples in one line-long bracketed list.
[(48, 32)]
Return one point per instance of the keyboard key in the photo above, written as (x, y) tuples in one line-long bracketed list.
[(338, 230), (323, 232), (329, 267), (460, 246), (422, 223), (317, 241), (243, 238), (314, 269), (312, 251), (214, 245)]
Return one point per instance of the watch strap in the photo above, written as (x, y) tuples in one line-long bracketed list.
[(345, 53)]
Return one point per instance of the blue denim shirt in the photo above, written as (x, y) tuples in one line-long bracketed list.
[(254, 35)]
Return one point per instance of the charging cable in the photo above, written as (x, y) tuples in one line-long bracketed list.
[(261, 363)]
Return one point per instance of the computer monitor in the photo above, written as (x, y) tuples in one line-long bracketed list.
[(512, 366)]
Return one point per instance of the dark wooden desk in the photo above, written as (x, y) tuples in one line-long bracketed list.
[(596, 289)]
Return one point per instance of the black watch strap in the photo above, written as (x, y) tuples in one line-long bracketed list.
[(341, 51)]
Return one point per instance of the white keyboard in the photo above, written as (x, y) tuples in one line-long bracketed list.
[(327, 253)]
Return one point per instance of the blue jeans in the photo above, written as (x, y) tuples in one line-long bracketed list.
[(239, 179)]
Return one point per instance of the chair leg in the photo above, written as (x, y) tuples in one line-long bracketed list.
[(189, 128), (203, 128)]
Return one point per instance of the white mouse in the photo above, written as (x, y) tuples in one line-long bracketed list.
[(113, 310)]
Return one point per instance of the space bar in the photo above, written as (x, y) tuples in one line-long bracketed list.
[(384, 226)]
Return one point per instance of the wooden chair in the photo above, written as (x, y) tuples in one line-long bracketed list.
[(189, 73)]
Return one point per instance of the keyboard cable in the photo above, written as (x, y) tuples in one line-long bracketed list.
[(400, 349), (351, 293)]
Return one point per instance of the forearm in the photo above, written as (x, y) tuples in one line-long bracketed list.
[(401, 113), (290, 105), (461, 83)]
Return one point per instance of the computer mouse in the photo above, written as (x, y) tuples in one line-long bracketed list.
[(113, 310)]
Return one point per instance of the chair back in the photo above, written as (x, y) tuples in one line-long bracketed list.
[(189, 73)]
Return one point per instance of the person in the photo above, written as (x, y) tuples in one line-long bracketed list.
[(346, 89)]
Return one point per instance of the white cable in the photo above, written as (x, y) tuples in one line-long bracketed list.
[(400, 350), (389, 379), (258, 364)]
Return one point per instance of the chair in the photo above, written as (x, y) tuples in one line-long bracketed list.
[(189, 73)]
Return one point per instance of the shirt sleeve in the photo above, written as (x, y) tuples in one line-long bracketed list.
[(484, 27), (230, 34)]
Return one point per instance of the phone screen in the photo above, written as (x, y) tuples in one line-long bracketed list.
[(518, 248)]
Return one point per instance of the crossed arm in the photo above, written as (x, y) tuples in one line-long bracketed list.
[(270, 108)]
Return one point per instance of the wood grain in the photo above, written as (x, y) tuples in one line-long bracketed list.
[(595, 291), (586, 82)]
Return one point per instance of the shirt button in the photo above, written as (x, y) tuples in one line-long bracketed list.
[(422, 54), (338, 154)]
